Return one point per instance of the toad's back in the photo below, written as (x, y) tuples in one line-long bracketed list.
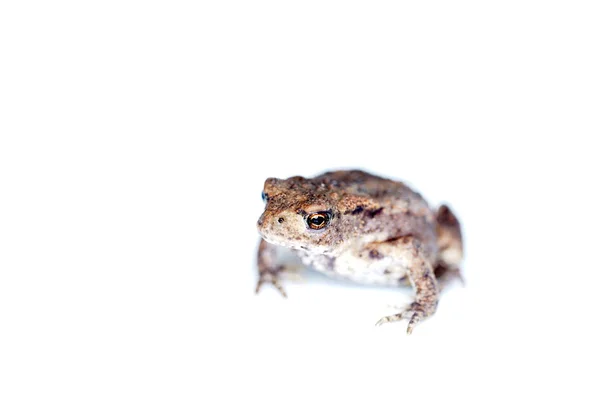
[(392, 195)]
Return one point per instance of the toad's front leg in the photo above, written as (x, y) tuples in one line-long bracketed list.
[(421, 276), (268, 271)]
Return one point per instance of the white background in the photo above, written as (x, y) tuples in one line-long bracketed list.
[(134, 141)]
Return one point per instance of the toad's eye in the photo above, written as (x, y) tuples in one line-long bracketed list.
[(265, 197), (318, 220)]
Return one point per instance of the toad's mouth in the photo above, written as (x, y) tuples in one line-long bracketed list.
[(283, 243), (295, 246)]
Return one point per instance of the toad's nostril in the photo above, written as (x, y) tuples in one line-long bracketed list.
[(280, 220)]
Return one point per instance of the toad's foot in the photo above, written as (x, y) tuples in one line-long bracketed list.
[(421, 276), (272, 276), (414, 314), (268, 270)]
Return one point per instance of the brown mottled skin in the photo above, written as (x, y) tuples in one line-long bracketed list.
[(378, 231)]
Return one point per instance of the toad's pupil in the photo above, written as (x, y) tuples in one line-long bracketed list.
[(318, 220)]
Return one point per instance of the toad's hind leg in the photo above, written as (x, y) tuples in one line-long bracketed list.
[(408, 250), (447, 265)]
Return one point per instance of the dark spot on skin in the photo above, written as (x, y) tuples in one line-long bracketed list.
[(375, 255), (404, 239), (357, 210), (373, 213), (301, 212), (280, 220)]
